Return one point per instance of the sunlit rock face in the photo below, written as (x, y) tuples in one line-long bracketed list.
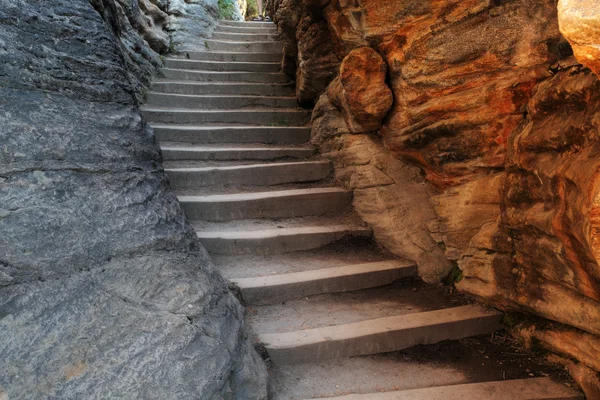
[(580, 23), (361, 92), (542, 255), (487, 157)]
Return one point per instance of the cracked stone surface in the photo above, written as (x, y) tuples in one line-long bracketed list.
[(105, 291)]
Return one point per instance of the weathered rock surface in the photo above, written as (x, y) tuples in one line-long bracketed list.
[(361, 92), (104, 288), (309, 54), (190, 21), (502, 121), (542, 256), (580, 23), (389, 194)]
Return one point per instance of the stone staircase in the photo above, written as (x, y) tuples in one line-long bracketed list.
[(323, 299)]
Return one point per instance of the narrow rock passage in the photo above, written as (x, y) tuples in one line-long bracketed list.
[(323, 299)]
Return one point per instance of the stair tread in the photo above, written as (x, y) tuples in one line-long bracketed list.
[(522, 389), (323, 273), (210, 127), (230, 147), (241, 42), (235, 165), (267, 35), (248, 188), (275, 232), (356, 250), (220, 111), (275, 289), (209, 72), (201, 96), (200, 83), (408, 296), (240, 152), (276, 236), (205, 75), (476, 359), (377, 335), (231, 134), (221, 62), (228, 52), (261, 195)]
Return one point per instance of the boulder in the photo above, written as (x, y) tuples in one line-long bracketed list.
[(189, 21), (579, 22), (361, 92)]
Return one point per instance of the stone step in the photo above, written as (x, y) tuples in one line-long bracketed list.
[(227, 153), (259, 24), (351, 251), (275, 204), (263, 117), (402, 297), (380, 335), (521, 389), (231, 134), (245, 29), (219, 76), (250, 47), (276, 240), (227, 88), (245, 37), (222, 102), (232, 56), (182, 63), (279, 288), (254, 174), (454, 362)]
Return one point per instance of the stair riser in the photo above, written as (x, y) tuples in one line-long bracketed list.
[(223, 89), (232, 57), (279, 207), (221, 66), (219, 103), (234, 155), (386, 341), (268, 295), (242, 29), (268, 118), (264, 135), (250, 47), (245, 37), (253, 24), (260, 176), (199, 76), (273, 245)]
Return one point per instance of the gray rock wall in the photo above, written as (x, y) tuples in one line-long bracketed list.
[(105, 291)]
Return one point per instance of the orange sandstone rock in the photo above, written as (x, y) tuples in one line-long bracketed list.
[(580, 23), (361, 92)]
